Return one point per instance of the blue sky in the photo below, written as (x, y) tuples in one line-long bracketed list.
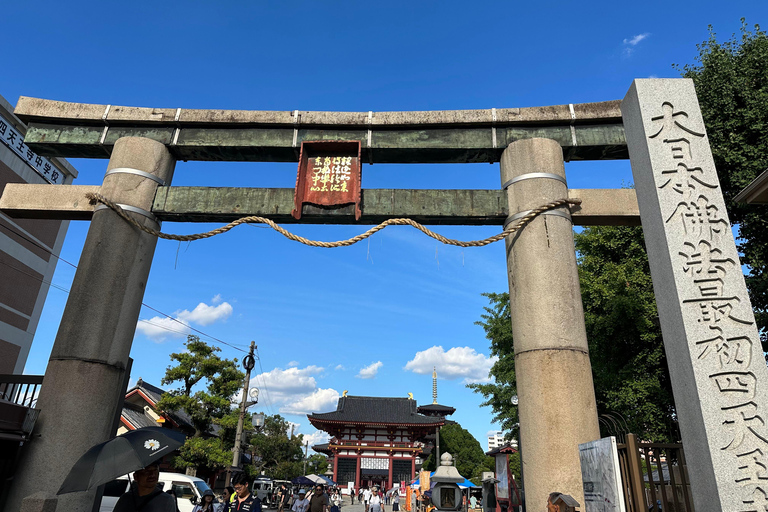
[(375, 317)]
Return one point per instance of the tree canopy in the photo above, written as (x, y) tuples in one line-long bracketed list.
[(732, 86), (468, 456), (625, 344), (498, 393), (281, 456), (207, 384), (628, 362)]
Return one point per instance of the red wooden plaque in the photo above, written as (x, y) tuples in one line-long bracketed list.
[(329, 175)]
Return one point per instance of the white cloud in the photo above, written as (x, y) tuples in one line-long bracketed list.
[(204, 314), (636, 39), (317, 437), (292, 427), (321, 400), (629, 44), (287, 385), (216, 298), (370, 371), (457, 362), (158, 328), (293, 363), (294, 390), (339, 367)]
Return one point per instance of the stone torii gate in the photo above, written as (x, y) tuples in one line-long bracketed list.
[(710, 337)]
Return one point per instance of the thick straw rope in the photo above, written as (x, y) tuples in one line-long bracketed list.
[(98, 198)]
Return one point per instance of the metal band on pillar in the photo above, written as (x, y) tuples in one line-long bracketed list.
[(520, 215), (129, 208), (532, 175), (128, 170)]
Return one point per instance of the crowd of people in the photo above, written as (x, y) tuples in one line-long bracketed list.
[(146, 495)]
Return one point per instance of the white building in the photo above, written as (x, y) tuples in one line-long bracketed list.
[(28, 247), (496, 439)]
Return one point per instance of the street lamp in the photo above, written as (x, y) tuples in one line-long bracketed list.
[(257, 420), (253, 394), (515, 401)]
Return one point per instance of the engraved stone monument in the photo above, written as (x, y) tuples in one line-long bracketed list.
[(715, 358)]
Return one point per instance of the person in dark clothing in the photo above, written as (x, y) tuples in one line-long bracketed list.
[(145, 495), (244, 501), (319, 500)]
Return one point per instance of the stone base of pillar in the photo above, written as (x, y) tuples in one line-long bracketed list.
[(39, 502)]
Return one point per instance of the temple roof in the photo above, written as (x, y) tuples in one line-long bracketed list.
[(323, 448), (153, 394), (436, 409), (376, 410), (501, 449)]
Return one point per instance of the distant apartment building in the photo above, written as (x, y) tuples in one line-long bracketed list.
[(28, 247), (496, 440)]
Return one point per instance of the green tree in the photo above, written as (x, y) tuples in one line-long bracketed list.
[(281, 456), (317, 464), (498, 393), (206, 386), (626, 349), (468, 456), (628, 363), (732, 85)]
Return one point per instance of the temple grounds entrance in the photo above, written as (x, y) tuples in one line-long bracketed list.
[(709, 331)]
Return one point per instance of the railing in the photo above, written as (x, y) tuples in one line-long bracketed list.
[(372, 444), (20, 389), (652, 473)]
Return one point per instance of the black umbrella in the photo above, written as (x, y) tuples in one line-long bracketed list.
[(123, 454)]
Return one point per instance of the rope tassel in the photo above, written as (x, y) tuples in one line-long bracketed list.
[(98, 198)]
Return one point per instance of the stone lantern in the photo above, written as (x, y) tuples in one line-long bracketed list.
[(446, 494)]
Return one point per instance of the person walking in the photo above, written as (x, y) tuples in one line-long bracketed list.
[(395, 500), (244, 501), (319, 500), (207, 503), (336, 501), (352, 494), (301, 504), (145, 494), (375, 502), (367, 498)]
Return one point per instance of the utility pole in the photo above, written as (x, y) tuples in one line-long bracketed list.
[(248, 363), (306, 451)]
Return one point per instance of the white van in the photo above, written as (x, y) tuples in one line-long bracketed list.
[(185, 487)]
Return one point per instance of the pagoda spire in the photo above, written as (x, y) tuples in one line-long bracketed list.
[(434, 385)]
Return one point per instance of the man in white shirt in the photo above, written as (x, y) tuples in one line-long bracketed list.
[(367, 498), (302, 503)]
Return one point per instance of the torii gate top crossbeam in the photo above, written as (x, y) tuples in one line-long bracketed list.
[(587, 131)]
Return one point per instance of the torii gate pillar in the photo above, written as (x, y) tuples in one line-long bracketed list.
[(554, 377), (84, 379)]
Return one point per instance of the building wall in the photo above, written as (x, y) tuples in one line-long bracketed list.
[(26, 263)]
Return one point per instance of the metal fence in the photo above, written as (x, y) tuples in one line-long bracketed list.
[(20, 389), (654, 474)]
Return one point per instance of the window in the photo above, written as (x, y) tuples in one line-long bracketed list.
[(201, 486), (183, 490), (346, 470)]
